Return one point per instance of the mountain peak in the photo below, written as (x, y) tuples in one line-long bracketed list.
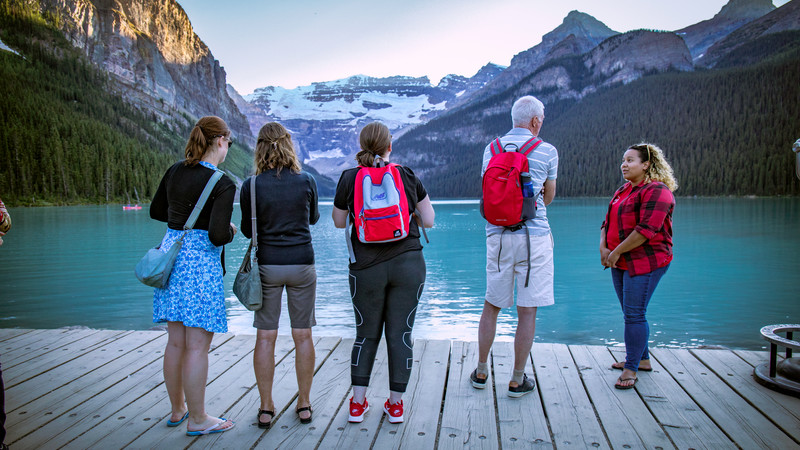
[(745, 9), (580, 24)]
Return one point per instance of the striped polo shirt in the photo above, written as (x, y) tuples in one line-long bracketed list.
[(543, 165)]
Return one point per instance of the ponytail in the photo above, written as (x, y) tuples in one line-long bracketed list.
[(375, 140), (201, 138)]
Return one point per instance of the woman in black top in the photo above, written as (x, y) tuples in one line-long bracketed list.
[(193, 301), (286, 205), (386, 280)]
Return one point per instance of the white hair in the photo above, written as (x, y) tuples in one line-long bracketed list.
[(525, 109)]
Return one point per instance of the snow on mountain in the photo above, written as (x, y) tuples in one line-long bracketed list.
[(324, 118), (392, 108)]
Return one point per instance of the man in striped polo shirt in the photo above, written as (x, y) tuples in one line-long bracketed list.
[(507, 253)]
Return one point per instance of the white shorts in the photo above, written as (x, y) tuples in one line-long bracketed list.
[(513, 265)]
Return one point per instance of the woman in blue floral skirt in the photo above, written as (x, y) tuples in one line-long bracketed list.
[(193, 301)]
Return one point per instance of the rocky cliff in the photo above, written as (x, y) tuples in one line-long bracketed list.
[(577, 34), (702, 35), (785, 18), (153, 55)]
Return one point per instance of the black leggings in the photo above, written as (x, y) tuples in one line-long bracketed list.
[(386, 294)]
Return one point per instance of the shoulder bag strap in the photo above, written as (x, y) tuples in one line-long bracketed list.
[(253, 222), (202, 201)]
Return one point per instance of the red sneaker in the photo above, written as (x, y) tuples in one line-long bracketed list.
[(357, 411), (394, 411)]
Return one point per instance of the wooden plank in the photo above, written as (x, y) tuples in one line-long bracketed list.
[(87, 389), (40, 384), (342, 434), (739, 420), (782, 410), (468, 418), (55, 339), (422, 401), (232, 377), (284, 393), (64, 355), (22, 339), (573, 422), (521, 420), (622, 413), (682, 419), (9, 333), (752, 357), (128, 415)]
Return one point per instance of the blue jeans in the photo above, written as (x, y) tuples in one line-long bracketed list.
[(634, 294)]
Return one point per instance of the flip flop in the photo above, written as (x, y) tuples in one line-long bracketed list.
[(265, 425), (212, 429), (305, 408), (175, 424), (623, 387), (641, 369)]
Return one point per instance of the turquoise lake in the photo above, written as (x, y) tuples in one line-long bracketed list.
[(735, 270)]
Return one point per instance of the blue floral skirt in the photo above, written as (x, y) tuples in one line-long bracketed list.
[(194, 294)]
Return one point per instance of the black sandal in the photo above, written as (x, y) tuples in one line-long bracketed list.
[(304, 408), (265, 425)]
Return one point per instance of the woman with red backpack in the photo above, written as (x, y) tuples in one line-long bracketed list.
[(387, 270)]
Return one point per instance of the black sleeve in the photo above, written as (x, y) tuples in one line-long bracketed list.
[(313, 201), (219, 227), (244, 203), (343, 192), (159, 207), (414, 187)]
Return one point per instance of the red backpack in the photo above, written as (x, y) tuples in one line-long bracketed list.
[(502, 199), (380, 205)]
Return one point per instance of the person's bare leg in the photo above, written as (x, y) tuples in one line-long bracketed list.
[(264, 367), (523, 338), (304, 367), (173, 369), (195, 376), (487, 328)]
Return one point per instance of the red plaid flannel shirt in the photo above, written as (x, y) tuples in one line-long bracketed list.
[(648, 210)]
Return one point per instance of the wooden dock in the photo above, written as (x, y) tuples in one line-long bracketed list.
[(104, 389)]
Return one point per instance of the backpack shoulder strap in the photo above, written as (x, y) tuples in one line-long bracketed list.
[(495, 147), (530, 145)]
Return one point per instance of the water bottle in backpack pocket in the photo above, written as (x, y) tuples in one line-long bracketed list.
[(528, 196)]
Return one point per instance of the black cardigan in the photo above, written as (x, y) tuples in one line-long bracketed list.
[(178, 193), (286, 205)]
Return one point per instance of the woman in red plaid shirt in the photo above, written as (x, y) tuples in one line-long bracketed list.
[(636, 243)]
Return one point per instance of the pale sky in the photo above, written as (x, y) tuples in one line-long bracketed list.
[(292, 43)]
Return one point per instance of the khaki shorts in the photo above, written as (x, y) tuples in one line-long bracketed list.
[(513, 265), (300, 282)]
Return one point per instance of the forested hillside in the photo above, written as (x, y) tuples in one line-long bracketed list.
[(66, 138), (726, 131)]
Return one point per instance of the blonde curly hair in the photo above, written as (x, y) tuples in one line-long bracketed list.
[(659, 169), (275, 150)]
